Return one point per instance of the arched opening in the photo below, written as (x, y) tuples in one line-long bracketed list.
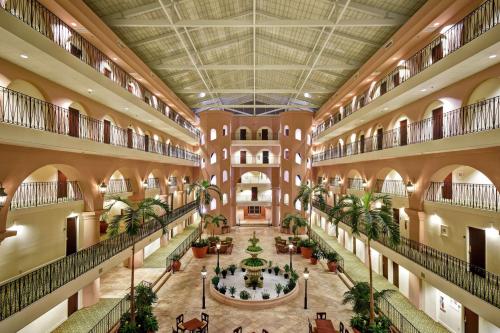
[(298, 134), (286, 176), (213, 158), (224, 199), (286, 130), (486, 90), (298, 205), (255, 177), (213, 134), (225, 130), (243, 156), (243, 133), (389, 181), (213, 204), (298, 180), (354, 180), (264, 133), (298, 158), (286, 199), (224, 153), (224, 176), (118, 184), (213, 180), (286, 153)]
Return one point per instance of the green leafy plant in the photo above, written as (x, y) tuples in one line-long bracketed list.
[(244, 295), (213, 239), (309, 243), (200, 243), (203, 194), (371, 214), (359, 297), (317, 253), (297, 222), (176, 257), (286, 290), (254, 248), (232, 291), (222, 289), (359, 322), (145, 319), (215, 281), (133, 218), (279, 288), (287, 268), (232, 268), (276, 270), (331, 256), (217, 270), (266, 295), (294, 276), (253, 262), (307, 193), (291, 284)]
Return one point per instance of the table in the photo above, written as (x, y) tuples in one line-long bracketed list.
[(324, 326), (192, 324)]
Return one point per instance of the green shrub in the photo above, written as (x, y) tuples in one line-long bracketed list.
[(244, 295), (200, 243)]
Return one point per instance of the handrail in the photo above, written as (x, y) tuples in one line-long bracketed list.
[(22, 110), (254, 136), (477, 22), (49, 25), (480, 196), (473, 279), (34, 194), (478, 117), (119, 186), (24, 290), (396, 318), (391, 186), (112, 318)]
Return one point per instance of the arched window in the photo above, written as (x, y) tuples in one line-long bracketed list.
[(286, 176), (298, 158), (213, 204), (213, 158), (298, 180), (309, 164), (202, 139), (224, 176), (224, 130), (286, 153), (213, 180), (203, 162), (298, 205), (224, 153), (224, 199), (298, 134), (286, 130), (213, 134), (308, 139), (286, 199)]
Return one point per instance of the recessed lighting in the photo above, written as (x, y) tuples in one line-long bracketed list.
[(125, 108), (307, 95), (115, 58), (423, 90), (385, 109), (493, 56), (73, 24), (90, 91), (436, 24), (24, 56), (202, 94)]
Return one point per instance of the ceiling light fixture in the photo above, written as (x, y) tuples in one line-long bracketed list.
[(436, 24), (307, 95), (90, 91), (423, 90), (202, 94), (24, 56), (73, 24), (493, 56)]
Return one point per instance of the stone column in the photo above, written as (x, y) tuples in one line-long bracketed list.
[(416, 224), (90, 236)]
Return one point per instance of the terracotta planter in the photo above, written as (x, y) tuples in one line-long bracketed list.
[(314, 261), (355, 330), (103, 227), (176, 265), (306, 252), (332, 266), (199, 252)]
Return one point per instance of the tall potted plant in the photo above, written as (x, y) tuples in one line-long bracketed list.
[(199, 248), (372, 215), (296, 221), (146, 321), (133, 218), (213, 221), (203, 191), (306, 195), (332, 259), (306, 248)]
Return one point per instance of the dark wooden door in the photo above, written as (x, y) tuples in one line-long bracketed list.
[(385, 267), (395, 215), (395, 274), (243, 157), (243, 134), (380, 138), (362, 143), (437, 123), (477, 250), (71, 246), (62, 185), (448, 187), (72, 304), (265, 134), (171, 200), (107, 132), (396, 79), (471, 321), (130, 134), (74, 123), (146, 142), (437, 52), (265, 157), (383, 87), (254, 193), (354, 245), (403, 132)]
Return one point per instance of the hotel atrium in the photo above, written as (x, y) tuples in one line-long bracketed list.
[(248, 166)]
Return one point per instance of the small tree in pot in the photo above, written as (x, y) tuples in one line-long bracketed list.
[(176, 263), (332, 259), (316, 255), (199, 248), (306, 248)]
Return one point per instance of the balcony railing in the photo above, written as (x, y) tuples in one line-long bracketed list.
[(480, 196), (391, 186), (478, 117), (26, 111), (23, 291), (34, 194), (39, 18), (119, 186), (355, 183), (397, 319), (256, 160), (473, 279), (248, 198), (476, 23), (153, 183), (255, 136)]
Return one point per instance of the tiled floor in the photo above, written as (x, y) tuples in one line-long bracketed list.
[(182, 293)]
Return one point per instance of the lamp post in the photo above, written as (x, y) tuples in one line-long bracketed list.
[(203, 278), (218, 248), (290, 249), (306, 277)]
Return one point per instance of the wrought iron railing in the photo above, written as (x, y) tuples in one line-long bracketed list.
[(391, 186), (26, 111), (112, 317), (119, 186), (24, 290), (480, 196), (355, 183), (254, 136), (34, 194), (478, 117), (183, 247), (153, 182), (473, 279), (476, 23), (272, 159), (39, 18)]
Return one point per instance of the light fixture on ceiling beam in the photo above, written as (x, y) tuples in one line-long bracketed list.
[(202, 94), (307, 95)]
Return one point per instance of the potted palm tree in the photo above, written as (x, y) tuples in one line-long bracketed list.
[(296, 221), (204, 192), (306, 195), (372, 215), (316, 255), (332, 259), (214, 221), (133, 218)]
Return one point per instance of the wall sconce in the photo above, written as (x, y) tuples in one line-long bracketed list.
[(410, 187), (3, 196), (102, 188), (492, 231), (145, 184), (365, 183), (340, 181)]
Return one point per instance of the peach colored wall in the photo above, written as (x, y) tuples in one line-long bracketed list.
[(255, 123), (64, 97)]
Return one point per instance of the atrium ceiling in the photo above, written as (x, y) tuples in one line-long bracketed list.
[(254, 57)]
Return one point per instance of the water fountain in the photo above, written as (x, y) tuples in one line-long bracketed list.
[(253, 265)]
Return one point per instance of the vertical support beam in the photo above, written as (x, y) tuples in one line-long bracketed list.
[(90, 236)]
